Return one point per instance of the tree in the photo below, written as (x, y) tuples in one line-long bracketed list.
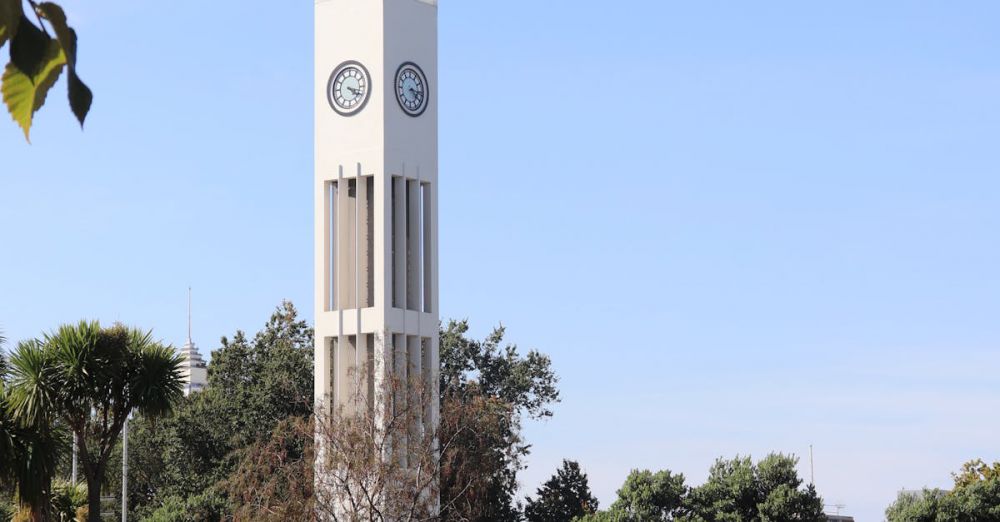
[(739, 489), (976, 471), (913, 506), (255, 384), (563, 497), (482, 374), (736, 490), (976, 496), (379, 453), (978, 500), (37, 59), (29, 447), (478, 442), (475, 472), (274, 477), (239, 436), (92, 379), (646, 497), (204, 507)]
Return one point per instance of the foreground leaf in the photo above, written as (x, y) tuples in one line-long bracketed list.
[(80, 96), (29, 47), (57, 18), (10, 15), (24, 95)]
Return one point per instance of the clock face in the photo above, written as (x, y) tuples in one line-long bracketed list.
[(348, 88), (411, 89)]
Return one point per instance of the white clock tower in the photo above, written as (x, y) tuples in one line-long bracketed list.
[(376, 207)]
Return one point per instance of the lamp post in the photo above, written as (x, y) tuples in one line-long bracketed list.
[(125, 470), (73, 475)]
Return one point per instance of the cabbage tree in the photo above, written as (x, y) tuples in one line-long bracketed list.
[(90, 379)]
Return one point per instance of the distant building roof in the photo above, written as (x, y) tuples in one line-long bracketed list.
[(194, 371)]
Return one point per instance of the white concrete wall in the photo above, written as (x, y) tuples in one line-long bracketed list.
[(384, 143)]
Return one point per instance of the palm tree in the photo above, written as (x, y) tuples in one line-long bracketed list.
[(29, 448), (92, 378)]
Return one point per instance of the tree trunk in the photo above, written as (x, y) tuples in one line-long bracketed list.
[(94, 495), (43, 511)]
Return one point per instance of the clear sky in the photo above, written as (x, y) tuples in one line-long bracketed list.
[(735, 228)]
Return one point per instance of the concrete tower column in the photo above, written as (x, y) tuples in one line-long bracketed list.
[(376, 234)]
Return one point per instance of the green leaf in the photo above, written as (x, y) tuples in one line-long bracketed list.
[(10, 15), (28, 48), (24, 95), (57, 18), (80, 96)]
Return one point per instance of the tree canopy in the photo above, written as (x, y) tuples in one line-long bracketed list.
[(254, 385), (502, 386), (737, 490), (89, 379), (563, 497), (975, 497)]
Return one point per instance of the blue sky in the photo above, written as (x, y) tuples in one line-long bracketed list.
[(735, 228)]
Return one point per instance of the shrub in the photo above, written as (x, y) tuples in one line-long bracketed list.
[(67, 499)]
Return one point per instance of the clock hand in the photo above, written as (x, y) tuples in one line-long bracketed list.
[(357, 92)]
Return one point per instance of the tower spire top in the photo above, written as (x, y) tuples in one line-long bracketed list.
[(189, 315)]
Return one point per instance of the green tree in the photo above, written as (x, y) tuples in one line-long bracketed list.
[(976, 471), (913, 506), (67, 499), (486, 376), (563, 497), (976, 501), (38, 55), (739, 489), (29, 447), (91, 379), (274, 478), (646, 497), (257, 384), (254, 384), (975, 497), (204, 507)]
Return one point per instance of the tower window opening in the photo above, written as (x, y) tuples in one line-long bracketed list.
[(426, 248), (413, 233), (366, 242), (330, 238), (399, 233), (332, 365), (347, 245)]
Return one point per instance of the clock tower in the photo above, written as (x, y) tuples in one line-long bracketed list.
[(376, 233)]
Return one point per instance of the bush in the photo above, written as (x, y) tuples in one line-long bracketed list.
[(7, 510), (67, 500), (207, 507)]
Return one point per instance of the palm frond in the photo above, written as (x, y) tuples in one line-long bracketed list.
[(37, 450), (31, 398), (157, 385)]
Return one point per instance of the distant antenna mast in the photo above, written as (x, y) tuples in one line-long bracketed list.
[(812, 469), (189, 316), (838, 507)]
